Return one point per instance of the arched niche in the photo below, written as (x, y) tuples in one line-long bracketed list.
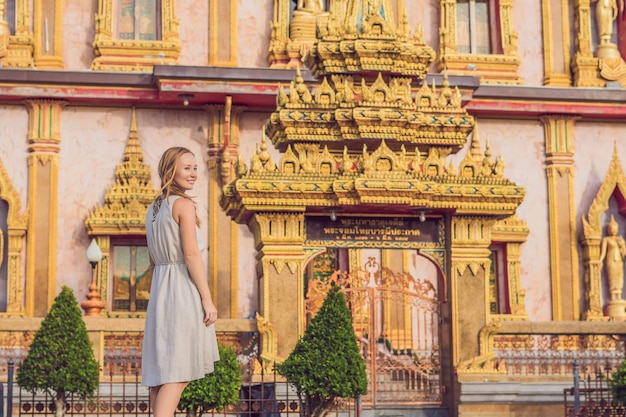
[(11, 246), (594, 225)]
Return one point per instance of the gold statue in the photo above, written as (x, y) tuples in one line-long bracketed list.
[(312, 6), (606, 13), (613, 249)]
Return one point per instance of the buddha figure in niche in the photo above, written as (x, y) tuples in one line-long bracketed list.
[(612, 253)]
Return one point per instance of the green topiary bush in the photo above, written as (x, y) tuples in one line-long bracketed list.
[(326, 363), (60, 360), (216, 390), (618, 384)]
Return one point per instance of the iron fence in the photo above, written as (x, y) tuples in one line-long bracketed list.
[(267, 395), (591, 395)]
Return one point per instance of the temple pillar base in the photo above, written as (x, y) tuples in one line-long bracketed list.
[(616, 310)]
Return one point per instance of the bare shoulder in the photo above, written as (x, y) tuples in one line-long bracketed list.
[(183, 207)]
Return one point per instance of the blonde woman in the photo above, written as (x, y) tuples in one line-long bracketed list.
[(179, 342)]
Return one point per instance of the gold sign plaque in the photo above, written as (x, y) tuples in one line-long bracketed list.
[(347, 229)]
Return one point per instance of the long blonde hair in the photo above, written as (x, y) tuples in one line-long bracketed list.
[(167, 171)]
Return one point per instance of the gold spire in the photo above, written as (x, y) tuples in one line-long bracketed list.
[(126, 202)]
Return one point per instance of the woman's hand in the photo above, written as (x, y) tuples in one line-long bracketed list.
[(210, 312)]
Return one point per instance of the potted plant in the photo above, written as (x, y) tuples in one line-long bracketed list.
[(217, 389), (60, 360), (618, 384), (326, 363)]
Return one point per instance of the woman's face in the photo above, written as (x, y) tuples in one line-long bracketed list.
[(186, 172)]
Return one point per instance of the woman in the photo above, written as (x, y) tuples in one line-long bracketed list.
[(179, 342)]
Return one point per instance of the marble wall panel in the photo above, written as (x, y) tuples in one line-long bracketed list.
[(527, 23), (79, 28), (254, 32), (194, 31)]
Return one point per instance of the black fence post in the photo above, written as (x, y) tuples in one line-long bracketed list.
[(576, 388), (1, 399), (10, 388)]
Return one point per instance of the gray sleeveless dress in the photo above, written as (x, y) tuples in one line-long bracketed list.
[(177, 346)]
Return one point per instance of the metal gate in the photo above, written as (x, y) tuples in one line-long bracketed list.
[(396, 318)]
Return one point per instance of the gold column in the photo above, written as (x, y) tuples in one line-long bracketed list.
[(469, 287), (48, 29), (279, 239), (559, 133), (223, 32), (44, 139), (556, 43), (585, 65), (223, 141)]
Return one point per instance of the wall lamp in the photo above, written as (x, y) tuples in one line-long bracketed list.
[(185, 98), (333, 212)]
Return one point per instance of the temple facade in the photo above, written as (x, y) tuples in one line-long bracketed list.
[(456, 166)]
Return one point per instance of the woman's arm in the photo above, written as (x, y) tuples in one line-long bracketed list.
[(184, 213)]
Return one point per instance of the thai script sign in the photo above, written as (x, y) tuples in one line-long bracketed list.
[(376, 229)]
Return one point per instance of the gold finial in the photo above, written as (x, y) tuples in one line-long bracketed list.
[(133, 147), (264, 155)]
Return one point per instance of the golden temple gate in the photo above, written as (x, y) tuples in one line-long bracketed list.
[(396, 317)]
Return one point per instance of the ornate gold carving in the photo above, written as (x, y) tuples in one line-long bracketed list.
[(310, 177), (494, 68), (16, 50), (278, 228), (16, 232), (338, 110), (126, 202), (612, 69), (270, 343), (131, 55), (470, 240), (279, 37), (594, 70), (353, 36), (486, 362), (368, 40), (125, 205), (614, 184)]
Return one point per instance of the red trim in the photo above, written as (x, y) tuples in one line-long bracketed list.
[(534, 109)]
